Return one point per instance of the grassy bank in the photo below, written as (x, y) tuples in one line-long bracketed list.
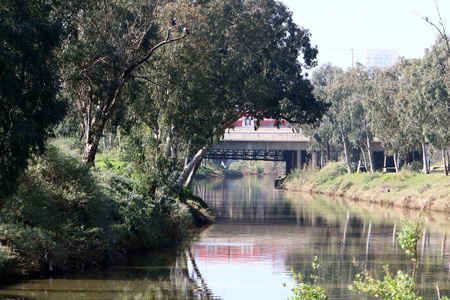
[(65, 216), (405, 189)]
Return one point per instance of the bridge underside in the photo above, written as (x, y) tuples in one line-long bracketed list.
[(292, 158), (269, 155)]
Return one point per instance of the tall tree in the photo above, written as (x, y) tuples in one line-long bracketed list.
[(29, 35), (418, 105), (322, 134), (113, 40), (384, 113), (243, 57), (440, 56), (435, 84), (360, 80), (335, 87), (262, 55)]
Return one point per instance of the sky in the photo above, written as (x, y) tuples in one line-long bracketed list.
[(337, 27)]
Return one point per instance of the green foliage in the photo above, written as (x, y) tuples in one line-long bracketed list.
[(258, 167), (65, 215), (29, 84), (344, 127), (414, 166), (401, 285), (308, 291), (298, 176), (408, 239), (9, 260), (328, 173), (371, 176), (55, 189), (141, 221), (57, 214), (398, 287)]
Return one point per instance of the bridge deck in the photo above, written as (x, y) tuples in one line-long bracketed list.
[(264, 134)]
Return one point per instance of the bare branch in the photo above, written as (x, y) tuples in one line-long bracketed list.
[(168, 40)]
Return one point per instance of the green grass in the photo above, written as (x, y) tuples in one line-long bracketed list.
[(105, 162), (403, 189)]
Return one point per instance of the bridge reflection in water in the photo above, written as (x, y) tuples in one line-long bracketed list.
[(261, 234)]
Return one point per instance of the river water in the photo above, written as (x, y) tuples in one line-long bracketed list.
[(261, 234)]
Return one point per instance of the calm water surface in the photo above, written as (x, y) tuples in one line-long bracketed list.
[(261, 235)]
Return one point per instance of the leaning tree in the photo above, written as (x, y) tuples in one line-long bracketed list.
[(242, 58), (110, 42)]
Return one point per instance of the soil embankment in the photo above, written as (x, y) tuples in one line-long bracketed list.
[(405, 189)]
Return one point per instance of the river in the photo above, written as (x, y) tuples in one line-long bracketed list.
[(261, 234)]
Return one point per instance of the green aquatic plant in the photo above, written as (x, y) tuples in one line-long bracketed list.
[(408, 239), (308, 290), (392, 287), (401, 285)]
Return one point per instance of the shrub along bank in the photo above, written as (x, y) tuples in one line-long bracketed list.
[(65, 216), (406, 189)]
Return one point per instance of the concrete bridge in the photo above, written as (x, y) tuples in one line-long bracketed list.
[(272, 144)]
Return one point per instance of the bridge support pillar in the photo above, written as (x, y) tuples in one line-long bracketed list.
[(315, 159), (301, 158), (291, 159), (294, 159)]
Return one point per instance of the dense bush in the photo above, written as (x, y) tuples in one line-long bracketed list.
[(65, 215), (57, 217)]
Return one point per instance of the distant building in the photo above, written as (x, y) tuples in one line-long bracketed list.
[(381, 58)]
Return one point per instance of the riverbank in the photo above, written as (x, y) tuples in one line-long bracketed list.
[(67, 216), (405, 189)]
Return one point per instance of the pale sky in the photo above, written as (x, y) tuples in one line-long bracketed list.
[(337, 27)]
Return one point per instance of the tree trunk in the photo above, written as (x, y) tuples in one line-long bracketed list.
[(369, 154), (444, 158), (426, 169), (363, 152), (347, 157), (191, 176), (396, 162), (188, 152), (93, 134), (96, 116), (190, 167), (328, 153), (90, 149)]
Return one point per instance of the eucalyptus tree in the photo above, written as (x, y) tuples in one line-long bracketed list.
[(383, 111), (419, 99), (322, 134), (242, 58), (440, 55), (113, 39), (337, 89), (436, 86), (30, 33), (360, 81), (263, 54)]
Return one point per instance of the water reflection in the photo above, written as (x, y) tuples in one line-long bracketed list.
[(261, 226), (168, 274), (260, 235)]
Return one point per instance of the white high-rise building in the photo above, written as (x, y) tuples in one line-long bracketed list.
[(381, 58)]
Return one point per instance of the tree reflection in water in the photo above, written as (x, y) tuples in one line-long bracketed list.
[(260, 235), (294, 227)]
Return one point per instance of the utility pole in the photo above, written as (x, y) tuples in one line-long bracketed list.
[(353, 59)]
